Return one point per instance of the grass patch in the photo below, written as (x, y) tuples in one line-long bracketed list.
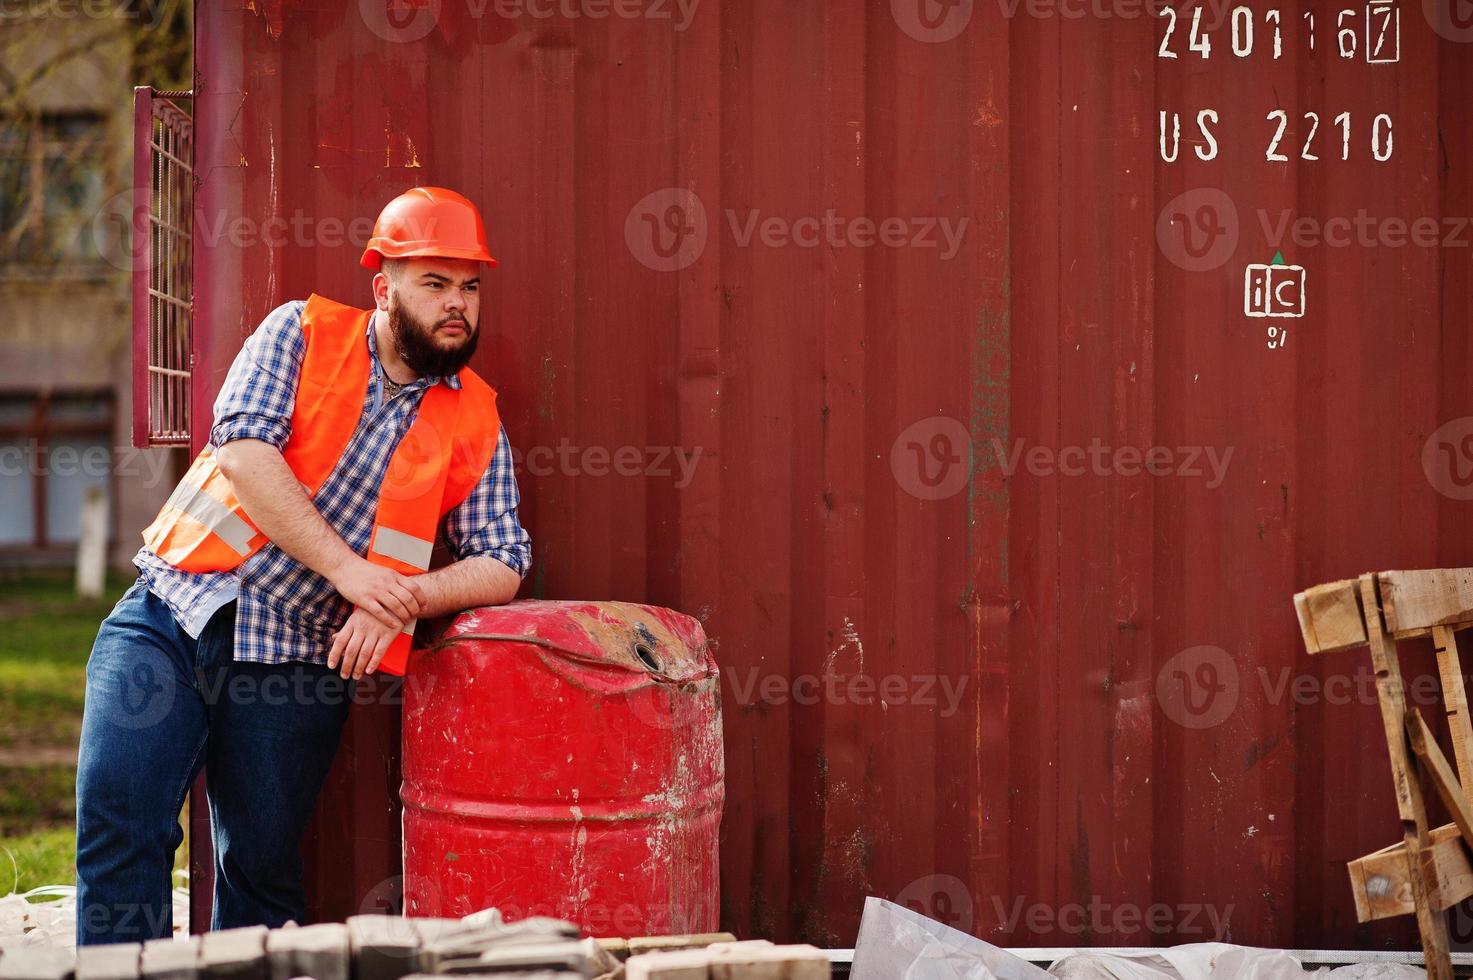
[(36, 796), (55, 591), (45, 857), (46, 635), (49, 857)]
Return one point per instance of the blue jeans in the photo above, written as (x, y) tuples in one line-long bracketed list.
[(160, 705)]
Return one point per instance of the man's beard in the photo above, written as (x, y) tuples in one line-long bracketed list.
[(416, 343)]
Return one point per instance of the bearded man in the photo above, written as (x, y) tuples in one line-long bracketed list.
[(291, 561)]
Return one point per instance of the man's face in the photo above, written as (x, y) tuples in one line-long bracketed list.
[(434, 311)]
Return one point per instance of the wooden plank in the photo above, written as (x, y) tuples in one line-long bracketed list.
[(1381, 881), (1431, 924), (1455, 700), (1330, 617), (1391, 694), (1366, 909), (1424, 744), (1426, 597)]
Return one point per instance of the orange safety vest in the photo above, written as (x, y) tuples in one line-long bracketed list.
[(203, 528)]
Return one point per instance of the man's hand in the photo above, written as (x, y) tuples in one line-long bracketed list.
[(383, 593), (360, 645)]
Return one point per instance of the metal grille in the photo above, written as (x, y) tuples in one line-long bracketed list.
[(162, 254)]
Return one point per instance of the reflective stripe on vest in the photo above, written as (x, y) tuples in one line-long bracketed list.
[(396, 658), (396, 549), (216, 517), (402, 547), (201, 526)]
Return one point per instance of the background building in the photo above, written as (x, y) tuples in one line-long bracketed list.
[(66, 77)]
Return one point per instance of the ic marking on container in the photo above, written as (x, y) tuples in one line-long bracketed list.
[(1273, 290)]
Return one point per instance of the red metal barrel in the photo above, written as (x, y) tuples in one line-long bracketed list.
[(565, 759)]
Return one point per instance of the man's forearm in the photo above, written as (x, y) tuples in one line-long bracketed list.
[(268, 490), (477, 581)]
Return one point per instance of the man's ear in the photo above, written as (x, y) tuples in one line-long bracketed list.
[(381, 290)]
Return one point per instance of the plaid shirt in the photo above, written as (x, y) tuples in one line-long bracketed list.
[(285, 610)]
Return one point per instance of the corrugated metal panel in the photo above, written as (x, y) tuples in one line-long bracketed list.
[(1114, 744)]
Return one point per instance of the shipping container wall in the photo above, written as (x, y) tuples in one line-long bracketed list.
[(986, 376)]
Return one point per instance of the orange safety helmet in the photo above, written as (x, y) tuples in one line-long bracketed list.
[(427, 221)]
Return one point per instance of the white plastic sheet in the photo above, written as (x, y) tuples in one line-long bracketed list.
[(898, 944), (48, 916), (1214, 961)]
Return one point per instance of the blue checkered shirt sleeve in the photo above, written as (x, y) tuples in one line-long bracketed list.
[(486, 523), (259, 393)]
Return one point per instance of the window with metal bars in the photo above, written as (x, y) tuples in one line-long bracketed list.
[(52, 175), (162, 256), (54, 450)]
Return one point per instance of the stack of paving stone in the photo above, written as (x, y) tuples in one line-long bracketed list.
[(625, 948), (366, 947), (380, 947), (755, 959), (37, 963), (548, 949)]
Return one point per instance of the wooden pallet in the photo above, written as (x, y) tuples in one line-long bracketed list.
[(1429, 870)]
